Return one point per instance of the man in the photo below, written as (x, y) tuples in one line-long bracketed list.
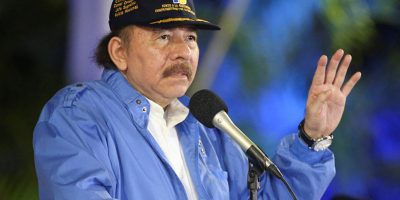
[(131, 136)]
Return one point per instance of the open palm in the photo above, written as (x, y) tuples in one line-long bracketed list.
[(327, 95)]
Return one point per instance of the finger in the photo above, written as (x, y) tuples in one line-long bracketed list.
[(351, 83), (321, 98), (333, 64), (341, 74), (319, 75)]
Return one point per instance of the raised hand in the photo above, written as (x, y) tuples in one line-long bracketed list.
[(327, 95)]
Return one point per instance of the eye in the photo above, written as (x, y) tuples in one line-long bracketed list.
[(192, 38), (164, 37)]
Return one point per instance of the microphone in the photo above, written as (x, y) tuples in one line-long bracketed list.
[(211, 111)]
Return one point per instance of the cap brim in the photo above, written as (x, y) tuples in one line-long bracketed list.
[(176, 22)]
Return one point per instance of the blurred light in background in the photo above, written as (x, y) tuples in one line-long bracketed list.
[(88, 24)]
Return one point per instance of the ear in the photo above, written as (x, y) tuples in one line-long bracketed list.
[(118, 53)]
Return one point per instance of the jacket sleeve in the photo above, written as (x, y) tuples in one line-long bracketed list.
[(70, 157), (308, 172)]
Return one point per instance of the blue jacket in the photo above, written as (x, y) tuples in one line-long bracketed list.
[(92, 142)]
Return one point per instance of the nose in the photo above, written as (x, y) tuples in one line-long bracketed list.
[(180, 50)]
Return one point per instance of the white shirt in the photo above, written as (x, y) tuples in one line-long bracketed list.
[(162, 127)]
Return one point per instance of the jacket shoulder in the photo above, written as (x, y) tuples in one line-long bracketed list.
[(79, 94)]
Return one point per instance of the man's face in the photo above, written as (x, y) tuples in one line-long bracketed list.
[(161, 63)]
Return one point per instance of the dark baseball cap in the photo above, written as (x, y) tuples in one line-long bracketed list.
[(156, 13)]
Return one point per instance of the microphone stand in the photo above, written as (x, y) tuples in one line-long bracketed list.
[(253, 181)]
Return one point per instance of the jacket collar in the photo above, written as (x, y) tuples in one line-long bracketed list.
[(120, 85), (127, 94)]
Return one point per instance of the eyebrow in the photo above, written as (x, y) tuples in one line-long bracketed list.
[(160, 30)]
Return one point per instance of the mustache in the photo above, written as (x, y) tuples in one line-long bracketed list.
[(179, 68)]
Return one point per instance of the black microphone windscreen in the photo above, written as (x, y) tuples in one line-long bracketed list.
[(204, 105)]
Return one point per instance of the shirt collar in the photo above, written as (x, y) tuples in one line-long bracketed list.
[(174, 114)]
